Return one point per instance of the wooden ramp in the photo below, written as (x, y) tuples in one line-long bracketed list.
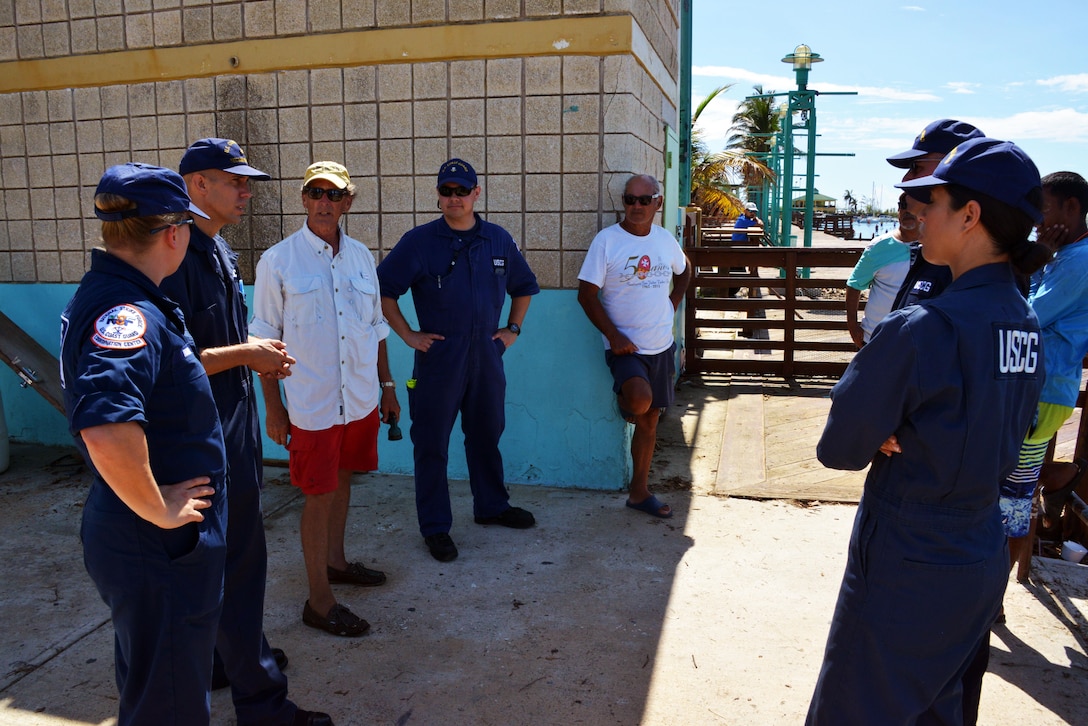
[(36, 367)]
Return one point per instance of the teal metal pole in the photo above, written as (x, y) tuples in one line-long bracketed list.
[(685, 103)]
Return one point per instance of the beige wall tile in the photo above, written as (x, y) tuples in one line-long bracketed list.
[(428, 11), (35, 107), (48, 265), (45, 226), (393, 227), (579, 229), (167, 31), (196, 25), (397, 194), (324, 15), (8, 45), (199, 94), (542, 230), (543, 114), (293, 88), (361, 158), (581, 192), (467, 117), (88, 136), (259, 19), (395, 82), (328, 151), (141, 99), (294, 125), (172, 137), (430, 80), (571, 265), (467, 79), (327, 123), (504, 155), (36, 138), (70, 235), (395, 157), (504, 77), (429, 118), (361, 121), (227, 22), (30, 42), (360, 84), (5, 264), (230, 92), (581, 152), (430, 154), (503, 192), (543, 75), (22, 265), (144, 133), (294, 158), (170, 97), (536, 8), (326, 85), (502, 9), (581, 74), (55, 40), (91, 166), (62, 138), (546, 267), (542, 194), (115, 135), (581, 114), (503, 116), (395, 120), (467, 10), (72, 266), (575, 7), (390, 13), (84, 36), (357, 13)]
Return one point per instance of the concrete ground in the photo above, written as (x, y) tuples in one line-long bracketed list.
[(599, 615)]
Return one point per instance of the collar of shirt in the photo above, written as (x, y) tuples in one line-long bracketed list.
[(319, 245)]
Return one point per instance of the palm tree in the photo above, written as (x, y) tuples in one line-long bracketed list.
[(712, 174), (851, 201), (755, 123)]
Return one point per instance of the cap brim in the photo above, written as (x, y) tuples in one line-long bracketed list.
[(246, 170), (336, 181), (197, 211), (463, 182), (922, 182), (905, 159)]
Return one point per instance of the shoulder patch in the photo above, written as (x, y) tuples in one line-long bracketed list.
[(120, 328)]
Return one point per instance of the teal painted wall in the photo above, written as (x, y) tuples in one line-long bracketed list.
[(562, 426)]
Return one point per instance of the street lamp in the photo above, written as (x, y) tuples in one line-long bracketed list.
[(802, 103), (802, 59)]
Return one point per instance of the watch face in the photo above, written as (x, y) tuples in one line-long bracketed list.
[(514, 328)]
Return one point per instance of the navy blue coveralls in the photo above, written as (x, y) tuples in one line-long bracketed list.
[(459, 282), (956, 379), (923, 281), (163, 587), (209, 292)]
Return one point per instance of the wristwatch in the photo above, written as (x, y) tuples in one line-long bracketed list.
[(514, 328), (388, 384)]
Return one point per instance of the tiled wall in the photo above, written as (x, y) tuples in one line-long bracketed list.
[(553, 137)]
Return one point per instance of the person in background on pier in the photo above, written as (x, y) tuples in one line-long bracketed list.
[(880, 270), (936, 405), (750, 218), (1059, 297), (633, 305), (924, 279)]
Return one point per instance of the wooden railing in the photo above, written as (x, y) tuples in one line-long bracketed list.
[(791, 322)]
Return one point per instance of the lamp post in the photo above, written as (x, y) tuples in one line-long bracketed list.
[(802, 105)]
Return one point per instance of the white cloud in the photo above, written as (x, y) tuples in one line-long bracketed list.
[(913, 8), (962, 87), (872, 94), (1062, 126), (1077, 83)]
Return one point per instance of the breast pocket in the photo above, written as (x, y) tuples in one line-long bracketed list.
[(363, 294), (302, 301)]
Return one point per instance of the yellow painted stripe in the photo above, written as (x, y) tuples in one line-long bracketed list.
[(598, 35)]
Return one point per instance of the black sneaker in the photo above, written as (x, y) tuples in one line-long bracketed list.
[(514, 517), (441, 546), (311, 718)]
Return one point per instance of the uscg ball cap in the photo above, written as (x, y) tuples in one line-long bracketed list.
[(999, 169), (456, 171), (153, 189), (222, 154), (939, 137)]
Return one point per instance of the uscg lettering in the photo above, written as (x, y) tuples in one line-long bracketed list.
[(1017, 351)]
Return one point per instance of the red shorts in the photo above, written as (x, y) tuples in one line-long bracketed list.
[(316, 456)]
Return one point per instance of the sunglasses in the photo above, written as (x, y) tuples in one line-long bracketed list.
[(335, 195), (458, 190), (645, 200), (182, 223)]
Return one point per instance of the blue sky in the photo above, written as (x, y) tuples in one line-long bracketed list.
[(1017, 70)]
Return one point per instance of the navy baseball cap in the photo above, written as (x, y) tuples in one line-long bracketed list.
[(457, 172), (153, 189), (939, 137), (999, 169), (222, 154)]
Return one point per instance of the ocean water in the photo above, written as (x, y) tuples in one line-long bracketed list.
[(871, 227)]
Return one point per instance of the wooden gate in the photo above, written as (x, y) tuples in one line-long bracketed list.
[(769, 310)]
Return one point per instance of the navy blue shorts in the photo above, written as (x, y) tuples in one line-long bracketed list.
[(659, 370)]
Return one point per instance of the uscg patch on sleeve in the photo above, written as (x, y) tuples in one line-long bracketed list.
[(120, 328)]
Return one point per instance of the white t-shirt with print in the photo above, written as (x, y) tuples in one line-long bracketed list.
[(635, 276)]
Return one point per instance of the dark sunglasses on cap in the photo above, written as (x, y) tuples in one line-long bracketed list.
[(335, 195), (458, 190), (645, 199)]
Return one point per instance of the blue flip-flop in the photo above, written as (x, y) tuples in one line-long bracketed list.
[(651, 506)]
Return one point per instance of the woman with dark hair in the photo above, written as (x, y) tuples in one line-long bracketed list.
[(141, 411), (938, 402)]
